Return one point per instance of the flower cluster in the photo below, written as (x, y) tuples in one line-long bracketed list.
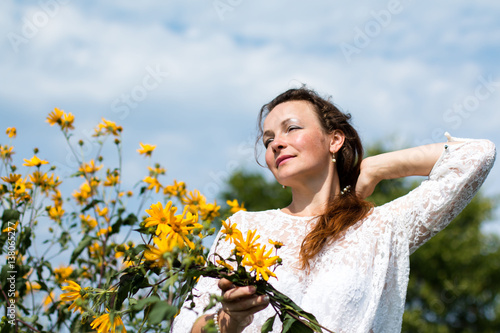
[(119, 271)]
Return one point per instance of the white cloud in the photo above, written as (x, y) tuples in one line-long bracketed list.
[(221, 72)]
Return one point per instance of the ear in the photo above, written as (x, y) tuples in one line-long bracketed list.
[(337, 138)]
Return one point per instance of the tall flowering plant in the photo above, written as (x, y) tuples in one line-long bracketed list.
[(118, 270)]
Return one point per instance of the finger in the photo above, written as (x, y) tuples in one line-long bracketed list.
[(246, 306), (237, 293), (225, 284)]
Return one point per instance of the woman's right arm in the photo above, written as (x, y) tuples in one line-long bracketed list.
[(239, 304)]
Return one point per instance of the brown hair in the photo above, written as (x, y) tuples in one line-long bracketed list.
[(345, 210)]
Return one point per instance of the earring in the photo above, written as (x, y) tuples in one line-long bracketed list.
[(333, 158), (283, 186)]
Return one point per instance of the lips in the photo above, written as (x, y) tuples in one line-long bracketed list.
[(283, 158)]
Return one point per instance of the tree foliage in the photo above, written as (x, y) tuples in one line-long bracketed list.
[(454, 277)]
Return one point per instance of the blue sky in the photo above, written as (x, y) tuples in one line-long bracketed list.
[(190, 76)]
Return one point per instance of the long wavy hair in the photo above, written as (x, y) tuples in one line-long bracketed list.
[(344, 210)]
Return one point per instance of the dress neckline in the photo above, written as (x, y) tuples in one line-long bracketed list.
[(295, 216)]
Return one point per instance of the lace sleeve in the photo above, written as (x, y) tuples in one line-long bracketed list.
[(452, 183), (183, 323)]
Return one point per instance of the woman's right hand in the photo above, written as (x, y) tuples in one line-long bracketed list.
[(239, 304)]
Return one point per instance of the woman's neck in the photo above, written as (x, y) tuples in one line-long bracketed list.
[(312, 200)]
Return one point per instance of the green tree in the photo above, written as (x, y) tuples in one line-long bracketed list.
[(454, 277), (255, 191)]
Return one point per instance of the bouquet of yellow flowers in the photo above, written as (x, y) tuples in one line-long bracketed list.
[(251, 263)]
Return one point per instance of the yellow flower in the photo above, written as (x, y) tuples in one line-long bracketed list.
[(74, 293), (120, 251), (11, 132), (89, 168), (174, 227), (57, 198), (153, 183), (38, 178), (20, 187), (103, 324), (95, 250), (235, 207), (194, 198), (11, 229), (107, 127), (44, 181), (84, 194), (230, 231), (62, 273), (102, 212), (6, 152), (259, 261), (178, 189), (112, 178), (51, 183), (32, 286), (103, 231), (156, 254), (146, 149), (35, 161), (248, 245), (157, 170), (67, 121), (277, 244), (55, 117), (49, 299), (88, 221), (209, 211), (12, 179), (225, 264), (56, 213)]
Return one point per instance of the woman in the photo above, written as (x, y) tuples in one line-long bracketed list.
[(344, 261)]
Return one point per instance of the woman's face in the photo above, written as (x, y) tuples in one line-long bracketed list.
[(297, 148)]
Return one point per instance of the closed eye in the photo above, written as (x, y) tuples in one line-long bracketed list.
[(267, 142)]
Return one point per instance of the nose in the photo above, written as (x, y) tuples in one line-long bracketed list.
[(277, 144)]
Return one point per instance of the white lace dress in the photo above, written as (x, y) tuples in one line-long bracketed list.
[(359, 282)]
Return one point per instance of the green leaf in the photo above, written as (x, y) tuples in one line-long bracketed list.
[(81, 246), (131, 219), (10, 215), (141, 304), (268, 325), (24, 240), (292, 325), (161, 311), (90, 205)]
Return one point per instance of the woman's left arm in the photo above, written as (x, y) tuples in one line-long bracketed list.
[(417, 161), (456, 171)]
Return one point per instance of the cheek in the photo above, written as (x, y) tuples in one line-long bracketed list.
[(309, 141), (269, 158)]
